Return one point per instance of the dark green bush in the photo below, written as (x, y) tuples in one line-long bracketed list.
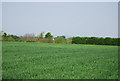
[(96, 40)]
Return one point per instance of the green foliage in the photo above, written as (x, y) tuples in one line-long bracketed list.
[(118, 41), (1, 60), (76, 40), (48, 35), (6, 37), (95, 40), (4, 34), (13, 38), (62, 36), (27, 60), (60, 39)]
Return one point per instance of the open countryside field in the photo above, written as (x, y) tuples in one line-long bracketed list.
[(27, 60)]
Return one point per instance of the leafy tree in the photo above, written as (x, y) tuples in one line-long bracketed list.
[(92, 40), (13, 38), (76, 40), (48, 35), (95, 40), (60, 39), (62, 36), (107, 41), (118, 41), (100, 41), (4, 34)]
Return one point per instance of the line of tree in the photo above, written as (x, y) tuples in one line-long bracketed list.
[(96, 40), (48, 38)]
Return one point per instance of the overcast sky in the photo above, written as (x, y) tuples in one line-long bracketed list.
[(86, 19)]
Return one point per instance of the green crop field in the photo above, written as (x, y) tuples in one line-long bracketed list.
[(27, 60)]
